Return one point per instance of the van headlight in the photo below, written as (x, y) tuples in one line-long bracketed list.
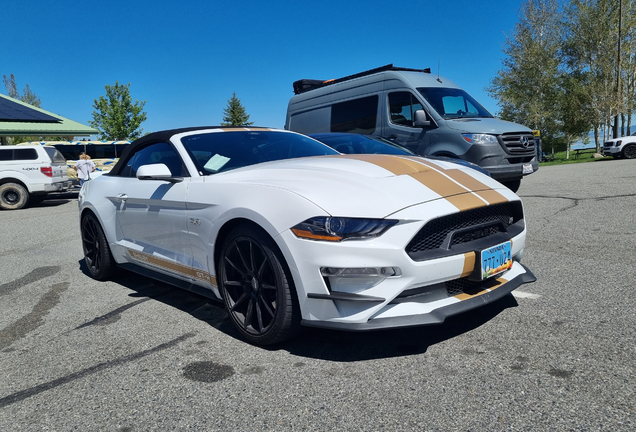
[(480, 138), (337, 229)]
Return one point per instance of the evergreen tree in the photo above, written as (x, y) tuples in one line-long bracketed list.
[(234, 114), (116, 116)]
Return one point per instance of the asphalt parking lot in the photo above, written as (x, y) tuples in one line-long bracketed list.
[(137, 355)]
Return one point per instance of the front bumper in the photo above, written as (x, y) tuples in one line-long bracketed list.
[(611, 151), (512, 171), (421, 292), (487, 295)]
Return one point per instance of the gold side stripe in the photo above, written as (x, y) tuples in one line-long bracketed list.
[(172, 266)]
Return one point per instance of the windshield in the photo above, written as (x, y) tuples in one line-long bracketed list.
[(224, 151), (453, 103), (361, 144)]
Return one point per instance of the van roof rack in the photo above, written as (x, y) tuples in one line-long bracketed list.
[(305, 85)]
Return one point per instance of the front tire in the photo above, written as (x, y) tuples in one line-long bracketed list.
[(513, 185), (629, 151), (13, 196), (97, 256), (257, 287)]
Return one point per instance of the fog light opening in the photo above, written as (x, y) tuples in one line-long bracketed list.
[(360, 272)]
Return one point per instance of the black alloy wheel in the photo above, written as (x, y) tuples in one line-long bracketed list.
[(97, 254), (629, 151), (257, 288)]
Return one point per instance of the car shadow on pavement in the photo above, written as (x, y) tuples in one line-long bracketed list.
[(342, 346), (53, 200), (331, 345)]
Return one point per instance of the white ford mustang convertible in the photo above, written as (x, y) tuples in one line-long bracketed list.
[(288, 232)]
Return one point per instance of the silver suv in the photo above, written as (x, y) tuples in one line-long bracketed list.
[(28, 173)]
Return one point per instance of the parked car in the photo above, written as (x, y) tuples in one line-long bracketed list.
[(349, 143), (621, 147), (28, 173), (288, 232), (427, 113)]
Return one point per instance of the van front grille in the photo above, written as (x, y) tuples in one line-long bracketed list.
[(518, 143)]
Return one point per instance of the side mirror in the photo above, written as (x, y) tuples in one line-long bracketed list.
[(157, 172), (420, 119)]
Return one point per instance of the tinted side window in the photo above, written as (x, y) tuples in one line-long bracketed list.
[(402, 105), (357, 116), (155, 153), (6, 154), (25, 154)]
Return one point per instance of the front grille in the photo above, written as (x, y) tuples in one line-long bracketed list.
[(459, 228), (462, 285), (518, 143)]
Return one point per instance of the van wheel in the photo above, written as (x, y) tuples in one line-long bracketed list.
[(513, 185), (13, 196), (629, 151)]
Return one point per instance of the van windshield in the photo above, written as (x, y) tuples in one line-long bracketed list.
[(453, 103)]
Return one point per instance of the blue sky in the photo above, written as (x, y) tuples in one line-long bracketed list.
[(185, 58)]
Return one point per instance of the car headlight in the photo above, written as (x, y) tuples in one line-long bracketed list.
[(337, 229), (618, 143), (480, 138)]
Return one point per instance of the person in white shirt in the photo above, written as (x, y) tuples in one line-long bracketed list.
[(84, 167)]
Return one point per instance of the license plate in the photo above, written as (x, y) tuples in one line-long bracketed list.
[(496, 260), (527, 169)]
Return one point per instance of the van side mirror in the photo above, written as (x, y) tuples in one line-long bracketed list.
[(420, 119)]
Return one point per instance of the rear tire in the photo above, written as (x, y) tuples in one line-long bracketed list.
[(629, 151), (13, 196), (97, 256), (513, 185), (257, 287)]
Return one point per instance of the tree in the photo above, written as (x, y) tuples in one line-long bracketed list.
[(574, 109), (116, 116), (234, 114), (590, 48), (28, 96), (527, 85)]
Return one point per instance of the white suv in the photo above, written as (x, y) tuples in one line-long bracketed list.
[(29, 173), (621, 147)]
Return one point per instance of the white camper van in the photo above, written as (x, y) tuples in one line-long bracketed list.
[(429, 115)]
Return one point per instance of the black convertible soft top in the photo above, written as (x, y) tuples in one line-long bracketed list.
[(162, 136)]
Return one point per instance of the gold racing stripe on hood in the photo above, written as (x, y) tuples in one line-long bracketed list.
[(456, 186)]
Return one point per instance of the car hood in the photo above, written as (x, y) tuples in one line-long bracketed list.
[(485, 125), (368, 185)]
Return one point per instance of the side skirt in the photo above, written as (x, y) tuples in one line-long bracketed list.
[(161, 277)]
